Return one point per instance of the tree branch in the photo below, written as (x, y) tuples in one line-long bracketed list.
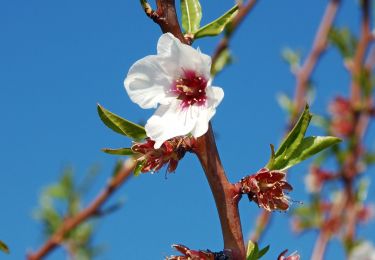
[(241, 15), (224, 194), (320, 42), (90, 211), (349, 168)]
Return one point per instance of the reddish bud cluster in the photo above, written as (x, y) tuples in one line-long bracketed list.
[(169, 153), (188, 254), (342, 117), (365, 213), (266, 188), (316, 178)]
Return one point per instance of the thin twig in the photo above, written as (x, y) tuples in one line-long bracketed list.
[(360, 54), (304, 73), (90, 211), (261, 224), (241, 15)]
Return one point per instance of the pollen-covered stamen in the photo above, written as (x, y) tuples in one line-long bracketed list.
[(190, 88)]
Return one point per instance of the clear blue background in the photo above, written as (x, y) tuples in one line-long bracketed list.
[(59, 58)]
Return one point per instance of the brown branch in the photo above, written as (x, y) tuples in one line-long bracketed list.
[(362, 118), (224, 194), (302, 77), (350, 168), (359, 57), (320, 42), (166, 17), (70, 223), (241, 15), (320, 246)]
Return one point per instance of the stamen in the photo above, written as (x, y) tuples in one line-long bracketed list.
[(190, 88)]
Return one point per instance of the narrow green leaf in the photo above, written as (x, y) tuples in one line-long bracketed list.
[(291, 142), (295, 136), (56, 191), (120, 151), (310, 146), (292, 57), (191, 15), (138, 167), (221, 62), (4, 247), (362, 191), (285, 103), (121, 125), (216, 27), (263, 251), (253, 251), (250, 249), (344, 41)]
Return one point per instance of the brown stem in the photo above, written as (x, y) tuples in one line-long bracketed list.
[(224, 194), (70, 223), (167, 19), (359, 57), (241, 15), (320, 42), (320, 246)]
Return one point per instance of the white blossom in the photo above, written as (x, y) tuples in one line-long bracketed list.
[(364, 251), (177, 82)]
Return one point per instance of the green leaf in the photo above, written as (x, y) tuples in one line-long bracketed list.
[(310, 146), (296, 148), (4, 247), (56, 191), (191, 15), (120, 151), (344, 41), (263, 251), (221, 62), (121, 125), (252, 250), (362, 191), (295, 136), (292, 57), (285, 103), (291, 142), (138, 167), (216, 27)]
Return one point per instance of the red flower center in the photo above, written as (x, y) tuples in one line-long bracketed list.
[(190, 89)]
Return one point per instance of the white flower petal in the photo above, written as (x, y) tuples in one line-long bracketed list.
[(170, 121), (183, 57), (214, 96), (204, 115), (147, 83)]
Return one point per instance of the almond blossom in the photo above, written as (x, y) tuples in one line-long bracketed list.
[(177, 82)]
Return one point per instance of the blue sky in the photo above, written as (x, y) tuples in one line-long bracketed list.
[(58, 59)]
